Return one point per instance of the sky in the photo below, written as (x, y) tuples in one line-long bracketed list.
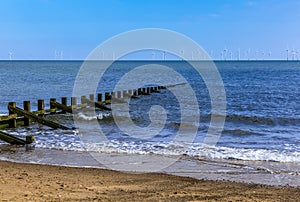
[(43, 29)]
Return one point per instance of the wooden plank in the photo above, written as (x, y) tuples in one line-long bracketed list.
[(62, 107), (118, 100), (15, 140), (38, 119), (43, 112), (96, 104), (4, 124), (7, 117), (173, 85)]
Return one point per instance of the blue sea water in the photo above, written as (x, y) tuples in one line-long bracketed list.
[(262, 118)]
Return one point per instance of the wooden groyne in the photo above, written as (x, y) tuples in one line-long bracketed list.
[(31, 116), (24, 116), (15, 140)]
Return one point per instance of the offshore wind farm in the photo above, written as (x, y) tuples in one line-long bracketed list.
[(149, 100), (224, 55)]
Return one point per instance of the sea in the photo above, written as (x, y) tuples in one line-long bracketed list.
[(259, 142)]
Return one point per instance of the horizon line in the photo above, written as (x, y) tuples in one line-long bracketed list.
[(153, 60)]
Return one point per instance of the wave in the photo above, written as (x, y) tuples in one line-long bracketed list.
[(261, 120), (247, 119), (72, 142), (194, 150), (237, 132), (98, 116), (249, 154)]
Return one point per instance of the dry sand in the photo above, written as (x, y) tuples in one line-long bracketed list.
[(28, 182)]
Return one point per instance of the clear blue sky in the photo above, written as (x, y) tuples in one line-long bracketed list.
[(34, 29)]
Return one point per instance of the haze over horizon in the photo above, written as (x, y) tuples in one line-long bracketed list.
[(42, 29)]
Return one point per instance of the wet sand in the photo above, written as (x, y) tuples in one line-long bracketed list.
[(30, 182)]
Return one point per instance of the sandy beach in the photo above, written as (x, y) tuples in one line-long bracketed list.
[(31, 182)]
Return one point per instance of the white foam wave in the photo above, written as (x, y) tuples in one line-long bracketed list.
[(247, 154), (99, 116), (71, 141), (194, 150)]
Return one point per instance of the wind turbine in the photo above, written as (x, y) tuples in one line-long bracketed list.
[(293, 54), (287, 54), (10, 56), (239, 54), (182, 54), (248, 54), (263, 55), (61, 55), (230, 53), (200, 54), (55, 55)]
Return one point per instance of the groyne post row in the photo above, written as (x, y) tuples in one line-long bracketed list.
[(17, 116)]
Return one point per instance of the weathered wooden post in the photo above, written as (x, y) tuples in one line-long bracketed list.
[(99, 97), (83, 99), (73, 101), (148, 90), (113, 95), (125, 94), (41, 107), (29, 139), (26, 105), (64, 101), (107, 97), (12, 122), (130, 92), (118, 94), (92, 97), (52, 106), (139, 91)]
